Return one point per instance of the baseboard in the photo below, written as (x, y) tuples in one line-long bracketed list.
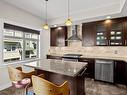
[(4, 86)]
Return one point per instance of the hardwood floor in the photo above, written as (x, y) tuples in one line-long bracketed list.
[(92, 88)]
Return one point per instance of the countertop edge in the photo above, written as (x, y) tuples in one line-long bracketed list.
[(97, 57)]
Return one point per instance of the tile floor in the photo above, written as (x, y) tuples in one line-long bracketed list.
[(92, 88), (101, 88)]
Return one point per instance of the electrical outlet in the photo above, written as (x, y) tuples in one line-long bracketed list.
[(115, 52)]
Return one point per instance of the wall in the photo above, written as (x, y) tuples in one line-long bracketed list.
[(91, 51), (44, 43), (13, 15), (8, 12)]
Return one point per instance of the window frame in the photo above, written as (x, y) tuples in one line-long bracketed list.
[(24, 40)]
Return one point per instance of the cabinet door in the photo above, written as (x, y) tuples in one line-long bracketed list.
[(107, 72), (125, 32), (101, 34), (62, 36), (98, 71), (58, 36), (53, 37), (88, 34), (116, 33), (120, 72), (126, 73)]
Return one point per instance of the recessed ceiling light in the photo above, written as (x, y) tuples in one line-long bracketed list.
[(108, 17), (59, 28), (55, 25), (108, 21)]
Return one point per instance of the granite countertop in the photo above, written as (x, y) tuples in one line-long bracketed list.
[(106, 57), (99, 57), (68, 68)]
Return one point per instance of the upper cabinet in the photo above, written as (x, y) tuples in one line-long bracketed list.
[(106, 33), (101, 34), (125, 31), (116, 32), (58, 36), (88, 34)]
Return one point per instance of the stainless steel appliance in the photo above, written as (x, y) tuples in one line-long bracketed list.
[(74, 36), (71, 57), (104, 70)]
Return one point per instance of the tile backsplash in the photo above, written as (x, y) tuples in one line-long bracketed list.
[(91, 51)]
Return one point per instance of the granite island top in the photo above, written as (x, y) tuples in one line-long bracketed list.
[(68, 68)]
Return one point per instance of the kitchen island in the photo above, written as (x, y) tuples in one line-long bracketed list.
[(58, 71)]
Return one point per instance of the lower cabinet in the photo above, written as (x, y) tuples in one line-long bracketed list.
[(120, 74), (90, 72)]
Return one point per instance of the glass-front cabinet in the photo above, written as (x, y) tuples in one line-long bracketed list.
[(116, 34), (101, 35), (111, 33)]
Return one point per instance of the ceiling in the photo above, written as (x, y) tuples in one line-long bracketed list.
[(79, 9)]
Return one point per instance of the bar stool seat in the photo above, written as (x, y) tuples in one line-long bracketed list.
[(22, 84), (44, 87), (20, 79)]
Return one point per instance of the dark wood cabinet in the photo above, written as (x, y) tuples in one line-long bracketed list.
[(116, 32), (120, 72), (110, 32), (105, 33), (90, 72), (101, 34), (126, 74), (58, 36), (125, 32), (88, 34)]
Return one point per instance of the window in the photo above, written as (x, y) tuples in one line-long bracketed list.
[(31, 45), (20, 44)]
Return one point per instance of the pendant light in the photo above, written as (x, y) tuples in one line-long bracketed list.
[(45, 26), (68, 22)]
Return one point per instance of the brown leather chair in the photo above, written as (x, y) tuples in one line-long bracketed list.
[(20, 79), (44, 87)]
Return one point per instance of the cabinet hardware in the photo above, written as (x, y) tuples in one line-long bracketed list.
[(109, 42), (125, 42)]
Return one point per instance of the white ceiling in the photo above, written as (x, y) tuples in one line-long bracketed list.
[(57, 9)]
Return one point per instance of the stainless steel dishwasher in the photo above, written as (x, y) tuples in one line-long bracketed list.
[(104, 70)]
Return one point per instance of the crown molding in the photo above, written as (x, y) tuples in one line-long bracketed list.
[(100, 13)]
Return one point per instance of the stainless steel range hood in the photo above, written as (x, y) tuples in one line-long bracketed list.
[(74, 36)]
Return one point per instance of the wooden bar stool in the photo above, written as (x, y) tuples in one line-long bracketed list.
[(20, 79), (44, 87)]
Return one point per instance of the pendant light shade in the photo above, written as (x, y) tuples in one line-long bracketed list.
[(68, 22), (45, 26)]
